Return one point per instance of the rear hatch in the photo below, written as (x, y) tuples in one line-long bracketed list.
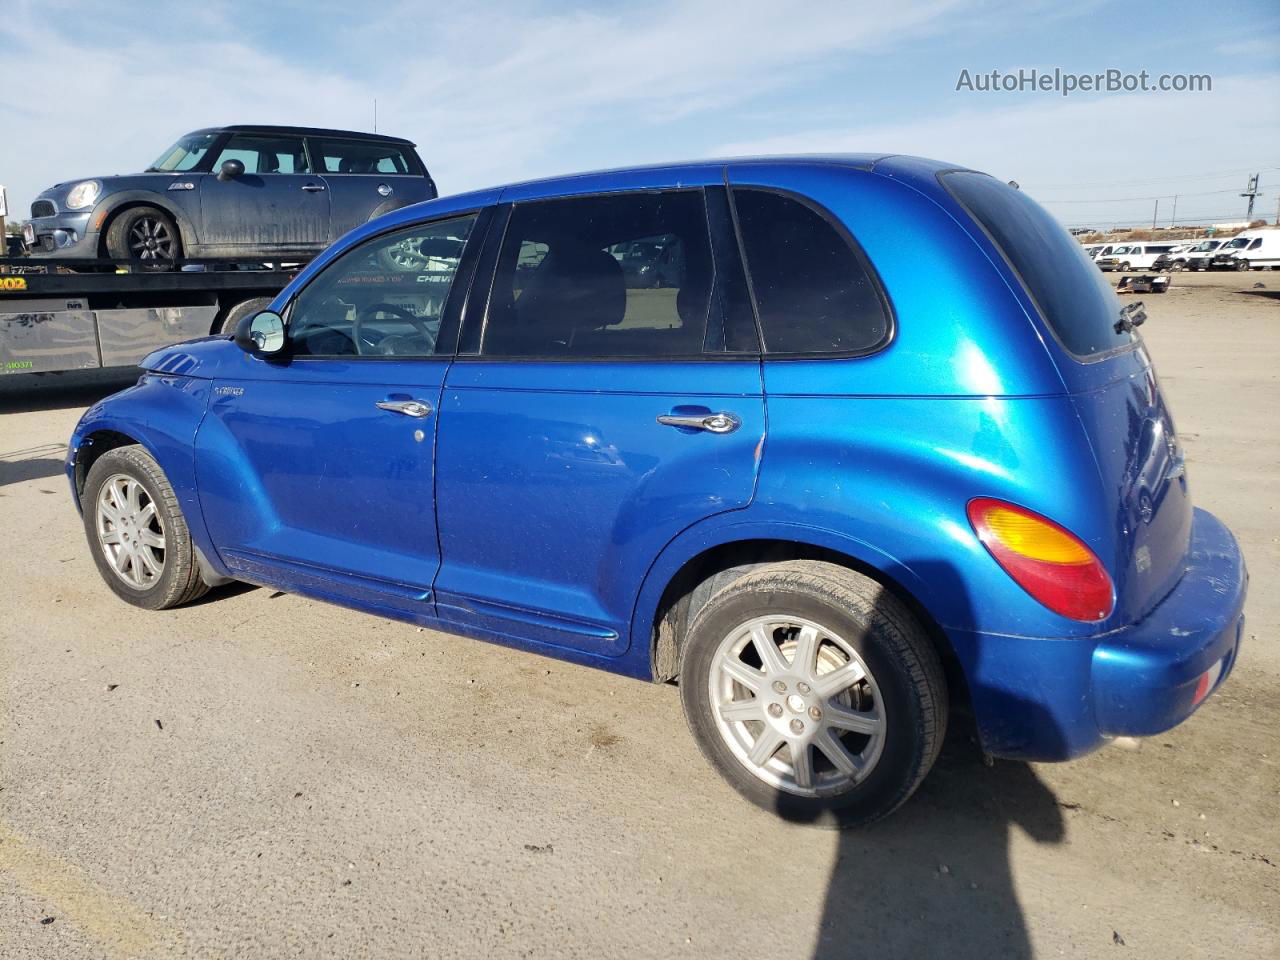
[(1144, 534)]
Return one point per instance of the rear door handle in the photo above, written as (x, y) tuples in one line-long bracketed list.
[(313, 187), (710, 422), (410, 408)]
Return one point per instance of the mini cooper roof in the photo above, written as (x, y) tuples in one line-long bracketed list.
[(303, 131)]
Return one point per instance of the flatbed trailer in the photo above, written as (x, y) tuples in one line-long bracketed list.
[(87, 314)]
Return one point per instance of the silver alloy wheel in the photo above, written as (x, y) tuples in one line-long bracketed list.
[(797, 706), (130, 531), (151, 239)]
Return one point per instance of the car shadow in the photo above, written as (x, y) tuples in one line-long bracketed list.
[(935, 876), (31, 463)]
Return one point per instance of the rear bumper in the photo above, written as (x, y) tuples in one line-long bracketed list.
[(1041, 699)]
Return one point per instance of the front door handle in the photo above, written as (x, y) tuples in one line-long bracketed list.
[(410, 408), (710, 422), (313, 187)]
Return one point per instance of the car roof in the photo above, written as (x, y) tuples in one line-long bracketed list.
[(303, 131), (660, 171)]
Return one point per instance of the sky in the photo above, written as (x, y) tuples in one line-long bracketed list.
[(494, 92)]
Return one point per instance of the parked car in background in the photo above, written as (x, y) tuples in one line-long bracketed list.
[(237, 191), (1133, 256), (829, 493), (1250, 250), (1176, 258), (1200, 256), (1097, 251)]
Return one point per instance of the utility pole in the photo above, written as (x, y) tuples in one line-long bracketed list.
[(1251, 191), (1278, 213), (1155, 213), (1173, 220), (375, 114)]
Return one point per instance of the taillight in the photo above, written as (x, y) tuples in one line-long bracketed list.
[(1047, 560)]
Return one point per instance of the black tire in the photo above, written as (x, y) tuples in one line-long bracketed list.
[(145, 234), (1177, 266), (1124, 267), (897, 652), (246, 308), (179, 579), (1242, 266)]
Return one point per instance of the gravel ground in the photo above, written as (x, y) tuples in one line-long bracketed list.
[(261, 775)]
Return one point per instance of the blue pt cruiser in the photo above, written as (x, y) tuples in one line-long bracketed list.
[(885, 441)]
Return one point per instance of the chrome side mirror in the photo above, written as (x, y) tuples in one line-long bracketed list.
[(262, 333)]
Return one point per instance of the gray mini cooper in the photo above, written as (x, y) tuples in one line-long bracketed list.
[(239, 191)]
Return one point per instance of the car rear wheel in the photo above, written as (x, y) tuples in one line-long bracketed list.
[(814, 692), (136, 532), (144, 233)]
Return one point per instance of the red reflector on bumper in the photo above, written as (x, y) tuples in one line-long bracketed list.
[(1205, 683)]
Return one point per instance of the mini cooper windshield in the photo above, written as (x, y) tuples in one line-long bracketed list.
[(184, 155)]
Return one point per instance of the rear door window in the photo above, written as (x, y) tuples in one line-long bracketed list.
[(1072, 295), (619, 275), (814, 293), (361, 156)]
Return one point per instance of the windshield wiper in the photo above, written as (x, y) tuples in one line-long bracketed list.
[(1132, 316)]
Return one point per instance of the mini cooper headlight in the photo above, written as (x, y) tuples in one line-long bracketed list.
[(83, 195)]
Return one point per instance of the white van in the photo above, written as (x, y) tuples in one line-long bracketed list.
[(1133, 256), (1250, 250)]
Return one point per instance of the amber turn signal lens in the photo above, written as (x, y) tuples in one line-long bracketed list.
[(1045, 559)]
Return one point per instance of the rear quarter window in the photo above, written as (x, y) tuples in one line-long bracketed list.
[(361, 156), (815, 294), (1072, 294)]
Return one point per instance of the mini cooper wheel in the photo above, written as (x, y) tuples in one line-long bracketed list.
[(814, 692), (139, 539), (146, 234)]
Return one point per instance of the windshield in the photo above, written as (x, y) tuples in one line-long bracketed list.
[(185, 154), (1237, 244), (1206, 245)]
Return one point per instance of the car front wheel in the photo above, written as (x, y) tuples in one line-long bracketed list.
[(144, 233), (814, 692), (136, 532)]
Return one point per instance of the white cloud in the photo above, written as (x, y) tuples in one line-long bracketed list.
[(487, 93)]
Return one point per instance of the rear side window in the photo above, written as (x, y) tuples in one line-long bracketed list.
[(813, 292), (620, 275), (1073, 296), (360, 156)]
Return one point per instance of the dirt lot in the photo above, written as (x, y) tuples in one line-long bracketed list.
[(261, 775)]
